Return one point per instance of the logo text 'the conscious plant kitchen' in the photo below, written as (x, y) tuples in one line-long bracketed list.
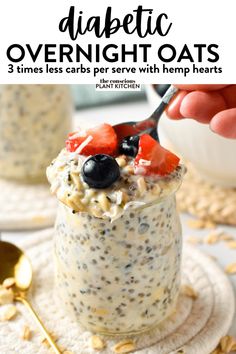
[(143, 22)]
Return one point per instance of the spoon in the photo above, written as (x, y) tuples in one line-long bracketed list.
[(149, 125), (14, 263), (161, 89)]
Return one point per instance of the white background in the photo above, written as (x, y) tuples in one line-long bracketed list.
[(201, 21)]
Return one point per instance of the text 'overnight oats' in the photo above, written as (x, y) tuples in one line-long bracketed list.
[(118, 235)]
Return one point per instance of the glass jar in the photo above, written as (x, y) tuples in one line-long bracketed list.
[(121, 277), (34, 122)]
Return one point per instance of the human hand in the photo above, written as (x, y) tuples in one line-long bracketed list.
[(210, 104)]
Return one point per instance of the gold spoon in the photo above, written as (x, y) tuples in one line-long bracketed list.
[(14, 263)]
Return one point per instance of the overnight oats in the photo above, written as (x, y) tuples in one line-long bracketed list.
[(118, 235), (34, 121)]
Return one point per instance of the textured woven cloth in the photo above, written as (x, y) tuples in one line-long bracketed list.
[(195, 328), (26, 206)]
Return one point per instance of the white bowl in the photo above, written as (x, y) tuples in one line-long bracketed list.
[(212, 155)]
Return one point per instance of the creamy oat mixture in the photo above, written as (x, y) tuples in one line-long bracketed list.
[(34, 122), (119, 277), (118, 236), (129, 191)]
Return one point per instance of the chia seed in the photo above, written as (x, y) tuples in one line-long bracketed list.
[(126, 274)]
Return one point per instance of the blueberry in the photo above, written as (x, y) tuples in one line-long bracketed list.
[(100, 171), (129, 145)]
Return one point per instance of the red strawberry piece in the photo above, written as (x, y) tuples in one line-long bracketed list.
[(152, 158), (99, 140), (123, 130)]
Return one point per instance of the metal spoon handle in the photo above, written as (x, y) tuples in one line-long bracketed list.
[(40, 324), (164, 102)]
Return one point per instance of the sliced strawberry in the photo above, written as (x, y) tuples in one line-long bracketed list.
[(152, 158), (99, 140), (123, 130)]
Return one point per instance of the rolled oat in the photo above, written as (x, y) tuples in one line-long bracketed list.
[(26, 333), (212, 238), (45, 342), (97, 343), (194, 240), (6, 295), (71, 189), (141, 185), (121, 160), (201, 224), (231, 268), (226, 237), (9, 283), (227, 343), (103, 201), (129, 170), (126, 346), (231, 244), (189, 291), (9, 313)]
